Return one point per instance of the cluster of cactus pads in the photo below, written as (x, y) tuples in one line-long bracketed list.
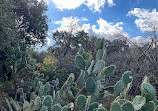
[(88, 91)]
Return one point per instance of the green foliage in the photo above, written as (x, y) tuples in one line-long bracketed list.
[(81, 102), (44, 108), (101, 109), (108, 70), (93, 106), (57, 107), (138, 102), (127, 107), (41, 91), (90, 85), (150, 106), (88, 91), (115, 107), (23, 28), (98, 66), (47, 101), (37, 103), (151, 93), (100, 54), (80, 62), (119, 87), (7, 86), (127, 77)]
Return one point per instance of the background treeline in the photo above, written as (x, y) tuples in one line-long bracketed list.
[(23, 25)]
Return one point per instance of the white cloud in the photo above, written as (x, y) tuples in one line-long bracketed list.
[(94, 5), (46, 1), (146, 20), (107, 30), (111, 2), (84, 19), (140, 40), (48, 41), (68, 4), (68, 24)]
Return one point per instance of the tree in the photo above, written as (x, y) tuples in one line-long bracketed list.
[(67, 44), (23, 23)]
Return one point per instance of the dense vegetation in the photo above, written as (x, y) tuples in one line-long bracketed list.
[(79, 72)]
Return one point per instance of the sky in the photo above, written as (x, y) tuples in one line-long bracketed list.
[(110, 19)]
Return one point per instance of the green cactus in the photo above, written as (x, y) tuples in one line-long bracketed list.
[(99, 86), (90, 85), (41, 91), (98, 66), (122, 101), (46, 87), (127, 107), (90, 67), (93, 106), (108, 70), (87, 64), (80, 62), (126, 78), (48, 101), (57, 107), (100, 54), (138, 102), (101, 109), (150, 106), (44, 108), (32, 96), (119, 87), (151, 93), (115, 107), (81, 102), (81, 51), (37, 103), (99, 43), (156, 109), (143, 91), (65, 108), (85, 56)]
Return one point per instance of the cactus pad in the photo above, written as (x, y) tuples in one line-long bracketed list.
[(57, 107), (81, 102), (127, 107), (138, 102), (93, 106), (48, 101), (90, 85), (98, 66), (115, 107), (80, 62)]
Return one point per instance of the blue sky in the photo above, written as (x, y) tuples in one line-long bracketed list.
[(104, 18)]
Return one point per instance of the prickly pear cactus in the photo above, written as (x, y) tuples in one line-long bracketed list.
[(118, 88), (127, 107), (81, 102), (44, 108), (93, 106), (88, 91), (57, 107), (80, 62), (101, 109), (115, 107), (90, 85), (138, 102), (127, 77), (48, 101), (37, 103)]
